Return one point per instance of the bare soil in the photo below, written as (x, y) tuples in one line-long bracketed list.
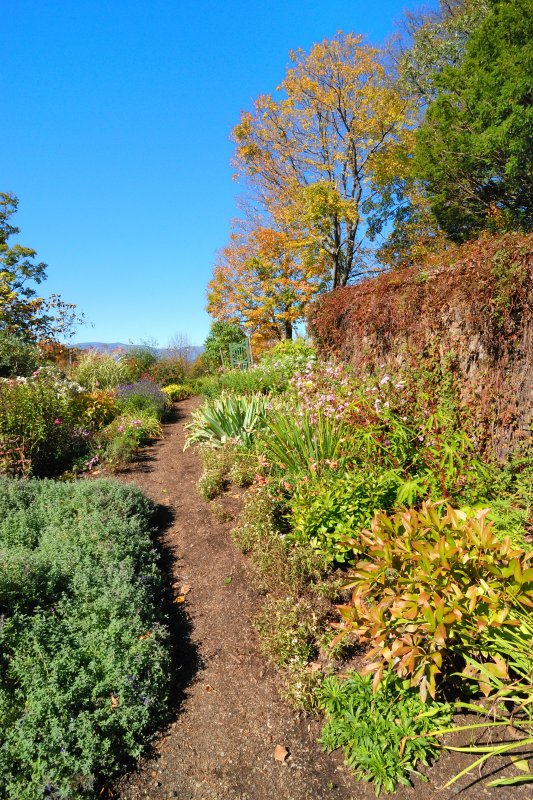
[(227, 716)]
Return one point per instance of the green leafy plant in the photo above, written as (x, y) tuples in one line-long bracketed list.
[(503, 668), (431, 581), (18, 357), (279, 565), (169, 371), (286, 358), (501, 664), (42, 423), (229, 418), (121, 438), (239, 382), (384, 733), (84, 651), (325, 511)]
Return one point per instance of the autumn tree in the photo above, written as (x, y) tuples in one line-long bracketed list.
[(22, 312), (310, 153), (261, 284)]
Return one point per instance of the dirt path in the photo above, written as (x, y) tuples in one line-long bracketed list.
[(230, 719), (228, 716)]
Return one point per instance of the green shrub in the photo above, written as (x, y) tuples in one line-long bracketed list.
[(167, 371), (142, 396), (239, 382), (376, 729), (289, 631), (42, 427), (18, 357), (430, 583), (326, 511), (413, 423), (100, 371), (140, 361), (224, 465), (84, 650), (511, 499), (123, 437), (214, 475), (229, 418), (285, 359)]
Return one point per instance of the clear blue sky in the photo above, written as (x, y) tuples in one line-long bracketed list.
[(115, 137)]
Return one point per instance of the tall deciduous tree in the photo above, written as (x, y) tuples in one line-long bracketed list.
[(474, 150), (311, 152), (22, 311), (261, 284)]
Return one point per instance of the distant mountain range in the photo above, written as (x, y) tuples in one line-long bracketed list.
[(191, 351)]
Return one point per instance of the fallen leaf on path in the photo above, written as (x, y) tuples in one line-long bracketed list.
[(228, 580), (280, 753), (185, 589), (314, 666), (180, 599), (209, 688)]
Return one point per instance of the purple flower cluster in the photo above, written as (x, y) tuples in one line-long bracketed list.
[(143, 388)]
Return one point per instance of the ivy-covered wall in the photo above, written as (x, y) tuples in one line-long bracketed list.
[(471, 306)]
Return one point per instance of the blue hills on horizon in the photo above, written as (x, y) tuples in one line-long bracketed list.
[(190, 351)]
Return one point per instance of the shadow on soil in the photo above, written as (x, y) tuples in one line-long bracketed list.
[(184, 655)]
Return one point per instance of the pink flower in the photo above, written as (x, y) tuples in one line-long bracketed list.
[(121, 429), (57, 421)]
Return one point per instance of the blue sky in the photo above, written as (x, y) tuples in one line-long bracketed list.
[(115, 138)]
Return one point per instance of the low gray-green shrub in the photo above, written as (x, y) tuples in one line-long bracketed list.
[(84, 664)]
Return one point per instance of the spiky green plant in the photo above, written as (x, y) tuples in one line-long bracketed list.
[(306, 443), (229, 418)]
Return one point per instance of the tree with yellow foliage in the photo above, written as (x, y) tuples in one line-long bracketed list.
[(261, 284), (312, 153)]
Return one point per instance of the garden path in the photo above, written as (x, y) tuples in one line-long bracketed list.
[(228, 715)]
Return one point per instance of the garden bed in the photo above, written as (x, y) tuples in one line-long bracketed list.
[(83, 638)]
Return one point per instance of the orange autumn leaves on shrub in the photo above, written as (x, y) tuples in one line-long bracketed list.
[(431, 582)]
